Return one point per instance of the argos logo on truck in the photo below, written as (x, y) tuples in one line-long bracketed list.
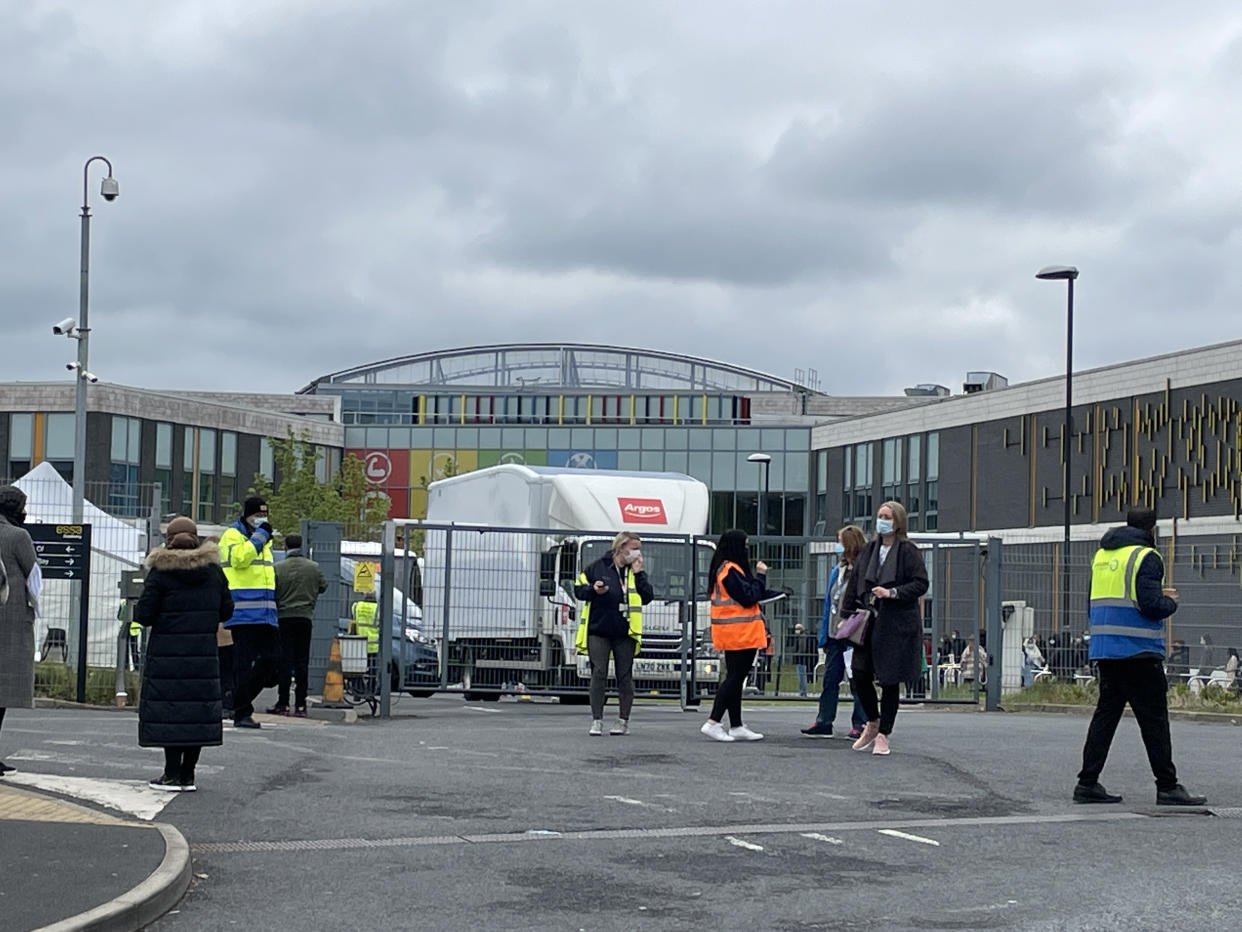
[(642, 511)]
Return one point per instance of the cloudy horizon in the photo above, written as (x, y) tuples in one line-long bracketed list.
[(865, 191)]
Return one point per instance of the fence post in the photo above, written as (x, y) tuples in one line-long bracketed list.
[(995, 633), (387, 569)]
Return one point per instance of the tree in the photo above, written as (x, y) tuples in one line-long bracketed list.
[(346, 497)]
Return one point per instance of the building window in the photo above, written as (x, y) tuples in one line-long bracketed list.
[(206, 475), (123, 467), (58, 443), (267, 462), (890, 469), (932, 521), (863, 477), (914, 449), (21, 445), (187, 471), (163, 465), (228, 470)]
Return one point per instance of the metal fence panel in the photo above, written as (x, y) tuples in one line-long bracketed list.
[(118, 546)]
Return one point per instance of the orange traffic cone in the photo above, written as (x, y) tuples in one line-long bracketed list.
[(334, 680)]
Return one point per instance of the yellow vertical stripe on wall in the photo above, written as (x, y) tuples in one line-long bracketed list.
[(704, 419), (633, 405), (422, 409), (588, 411), (676, 399), (36, 450), (560, 409), (463, 409)]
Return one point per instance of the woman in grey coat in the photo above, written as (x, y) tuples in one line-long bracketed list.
[(17, 637)]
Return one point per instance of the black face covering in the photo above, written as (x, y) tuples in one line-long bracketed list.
[(15, 515)]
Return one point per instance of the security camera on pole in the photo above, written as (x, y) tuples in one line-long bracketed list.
[(80, 331)]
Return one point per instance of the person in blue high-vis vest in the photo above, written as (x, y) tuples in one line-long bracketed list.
[(1127, 610)]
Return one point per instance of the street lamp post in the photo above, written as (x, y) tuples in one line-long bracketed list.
[(1067, 274), (109, 190), (765, 461)]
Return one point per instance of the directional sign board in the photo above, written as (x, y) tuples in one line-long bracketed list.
[(64, 550)]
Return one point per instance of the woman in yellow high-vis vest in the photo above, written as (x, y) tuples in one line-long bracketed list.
[(613, 591)]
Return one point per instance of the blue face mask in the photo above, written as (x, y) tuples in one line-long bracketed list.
[(838, 547), (883, 525)]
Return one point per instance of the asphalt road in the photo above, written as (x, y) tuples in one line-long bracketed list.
[(508, 816)]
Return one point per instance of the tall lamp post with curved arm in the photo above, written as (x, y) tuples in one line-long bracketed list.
[(109, 190), (1067, 274)]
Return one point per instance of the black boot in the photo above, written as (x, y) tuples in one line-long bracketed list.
[(1095, 793), (1178, 796)]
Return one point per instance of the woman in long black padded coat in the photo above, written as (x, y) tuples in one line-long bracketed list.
[(184, 599)]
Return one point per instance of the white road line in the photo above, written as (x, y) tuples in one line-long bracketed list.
[(816, 836), (627, 800), (132, 797), (919, 838), (743, 844), (475, 708)]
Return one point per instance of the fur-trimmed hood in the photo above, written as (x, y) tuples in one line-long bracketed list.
[(165, 559)]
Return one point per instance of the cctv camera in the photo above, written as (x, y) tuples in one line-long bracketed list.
[(71, 366), (90, 377), (110, 189), (65, 328)]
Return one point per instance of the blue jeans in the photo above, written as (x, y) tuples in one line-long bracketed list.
[(801, 668), (834, 672)]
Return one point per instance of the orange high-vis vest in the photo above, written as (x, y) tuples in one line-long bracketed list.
[(734, 627)]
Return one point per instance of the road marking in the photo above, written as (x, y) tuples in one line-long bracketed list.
[(132, 797), (743, 844), (816, 836), (475, 708), (919, 838), (627, 800), (693, 831)]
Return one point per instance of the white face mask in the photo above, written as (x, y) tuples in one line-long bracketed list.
[(633, 556), (884, 525), (256, 520)]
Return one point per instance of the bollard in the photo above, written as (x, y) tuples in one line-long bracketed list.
[(333, 679)]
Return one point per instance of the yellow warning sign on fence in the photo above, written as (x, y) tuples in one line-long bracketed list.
[(364, 576)]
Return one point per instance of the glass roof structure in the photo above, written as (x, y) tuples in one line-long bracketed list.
[(557, 367)]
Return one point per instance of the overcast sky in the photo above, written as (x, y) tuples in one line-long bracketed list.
[(863, 189)]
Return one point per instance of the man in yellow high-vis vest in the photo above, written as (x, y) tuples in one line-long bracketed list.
[(1128, 609)]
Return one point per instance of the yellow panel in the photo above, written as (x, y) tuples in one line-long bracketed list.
[(37, 450), (420, 469), (588, 409)]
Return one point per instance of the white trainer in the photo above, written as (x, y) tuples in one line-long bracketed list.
[(621, 728), (597, 728), (716, 731), (742, 733)]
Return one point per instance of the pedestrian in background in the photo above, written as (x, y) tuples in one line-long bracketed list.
[(889, 580), (850, 541), (299, 583), (17, 611), (246, 553), (184, 598), (613, 591), (1127, 611), (738, 631), (800, 650)]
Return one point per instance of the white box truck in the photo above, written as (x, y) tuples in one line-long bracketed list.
[(499, 595)]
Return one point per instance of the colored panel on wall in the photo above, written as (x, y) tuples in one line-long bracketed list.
[(583, 459), (388, 471), (521, 457)]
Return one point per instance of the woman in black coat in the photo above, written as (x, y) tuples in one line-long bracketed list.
[(889, 578), (183, 601)]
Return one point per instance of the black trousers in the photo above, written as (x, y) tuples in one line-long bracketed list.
[(622, 651), (256, 664), (179, 763), (885, 707), (729, 693), (1140, 682), (224, 653), (295, 638)]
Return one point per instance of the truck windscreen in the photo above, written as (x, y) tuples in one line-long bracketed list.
[(665, 564)]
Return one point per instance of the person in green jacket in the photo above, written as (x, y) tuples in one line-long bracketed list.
[(299, 583)]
